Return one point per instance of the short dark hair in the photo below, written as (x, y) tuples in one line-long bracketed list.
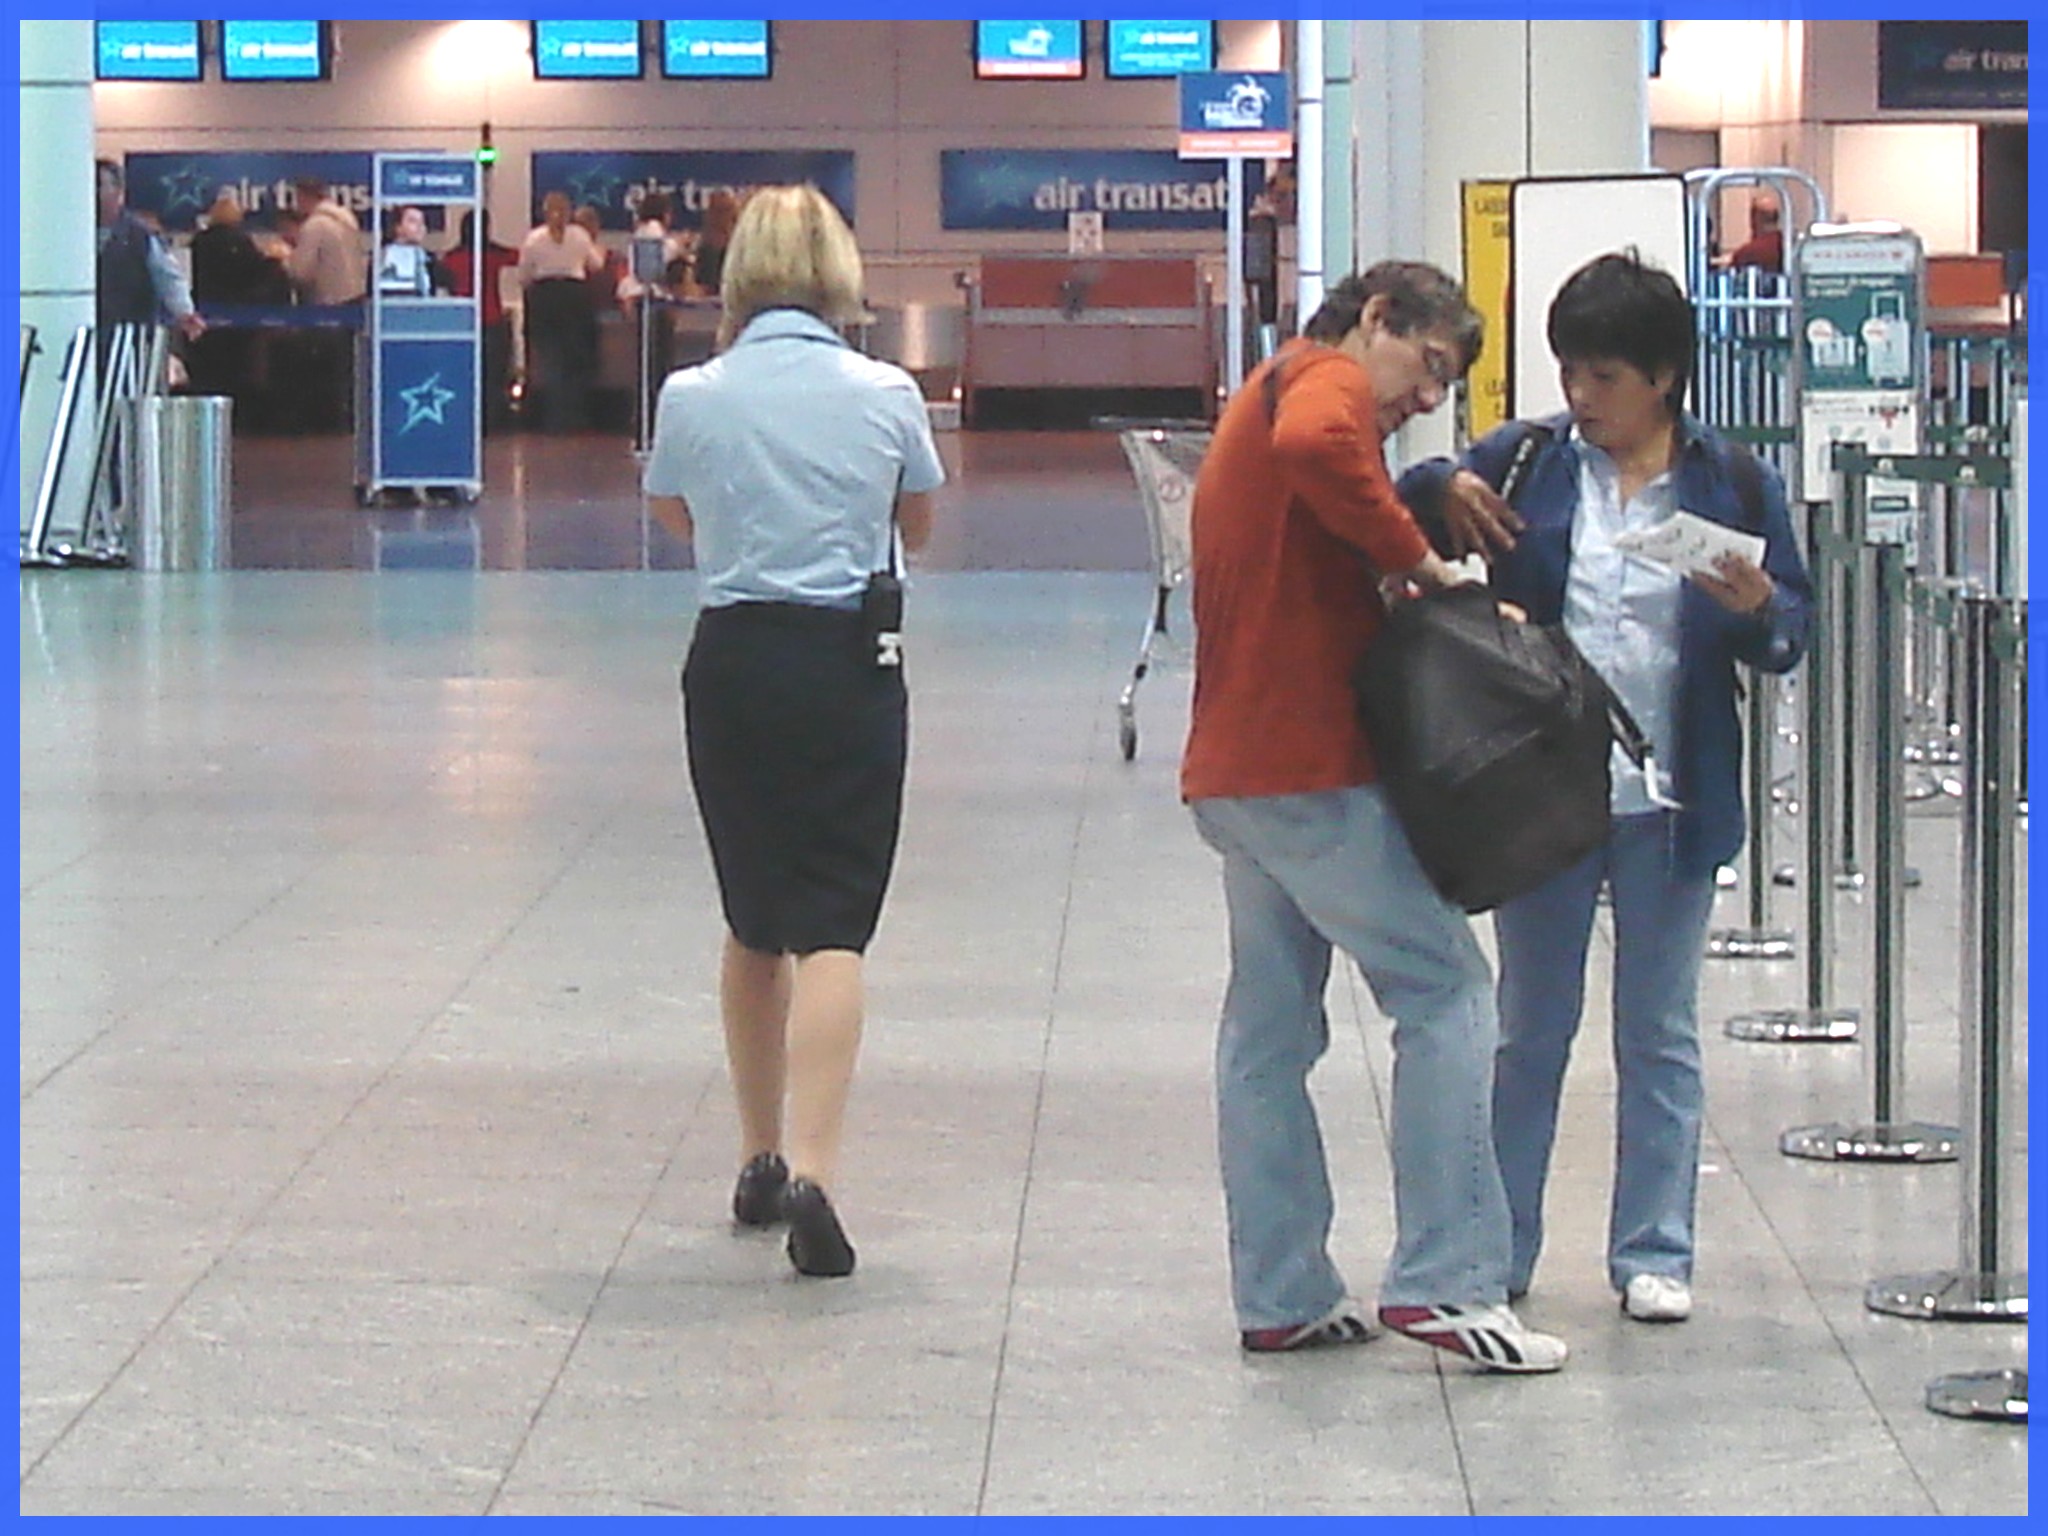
[(1620, 306), (1419, 297), (111, 169), (654, 205)]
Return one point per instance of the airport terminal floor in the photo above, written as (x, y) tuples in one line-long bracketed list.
[(376, 1146)]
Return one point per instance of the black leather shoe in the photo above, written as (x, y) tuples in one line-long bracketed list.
[(817, 1243), (757, 1198)]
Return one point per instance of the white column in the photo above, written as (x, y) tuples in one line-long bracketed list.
[(1387, 117), (1438, 103), (1309, 137), (1340, 131), (56, 197)]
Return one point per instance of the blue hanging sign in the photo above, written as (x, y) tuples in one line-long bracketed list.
[(1037, 188), (613, 180), (1951, 65), (1235, 112), (179, 187)]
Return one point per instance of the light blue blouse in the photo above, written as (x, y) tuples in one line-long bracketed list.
[(790, 449), (1622, 613)]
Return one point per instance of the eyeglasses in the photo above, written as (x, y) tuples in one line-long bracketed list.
[(1442, 364)]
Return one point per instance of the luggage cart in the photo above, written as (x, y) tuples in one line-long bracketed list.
[(1165, 458)]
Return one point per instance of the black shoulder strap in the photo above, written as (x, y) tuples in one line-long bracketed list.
[(1271, 388), (1536, 435)]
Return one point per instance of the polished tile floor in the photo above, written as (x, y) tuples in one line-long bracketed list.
[(375, 1142)]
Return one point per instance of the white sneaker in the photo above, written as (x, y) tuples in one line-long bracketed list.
[(1492, 1337), (1657, 1299)]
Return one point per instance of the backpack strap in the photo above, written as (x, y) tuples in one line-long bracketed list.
[(1536, 435), (1271, 388)]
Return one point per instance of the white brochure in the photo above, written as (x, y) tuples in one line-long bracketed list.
[(1690, 544)]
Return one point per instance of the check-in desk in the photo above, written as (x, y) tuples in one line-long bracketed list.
[(1094, 322)]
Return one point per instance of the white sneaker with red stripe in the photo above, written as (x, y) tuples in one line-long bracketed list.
[(1344, 1323), (1492, 1337)]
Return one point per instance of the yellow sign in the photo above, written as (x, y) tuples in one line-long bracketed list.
[(1487, 260)]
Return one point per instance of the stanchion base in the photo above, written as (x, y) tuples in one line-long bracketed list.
[(1792, 1026), (1901, 1142), (1850, 879), (1749, 944), (2000, 1396), (1950, 1297)]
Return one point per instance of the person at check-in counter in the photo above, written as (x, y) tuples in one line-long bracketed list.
[(406, 266), (137, 281), (475, 251), (328, 268), (326, 261), (555, 267)]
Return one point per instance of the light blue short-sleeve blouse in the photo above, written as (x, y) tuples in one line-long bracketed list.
[(790, 449)]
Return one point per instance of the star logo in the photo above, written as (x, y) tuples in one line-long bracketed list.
[(596, 186), (426, 401), (187, 187)]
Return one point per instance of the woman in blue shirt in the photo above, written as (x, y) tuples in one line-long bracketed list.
[(1627, 457), (793, 464)]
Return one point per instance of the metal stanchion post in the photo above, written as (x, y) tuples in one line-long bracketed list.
[(1759, 941), (1885, 1137), (1820, 1019), (1984, 1287)]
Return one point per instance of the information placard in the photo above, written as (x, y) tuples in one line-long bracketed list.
[(1859, 295)]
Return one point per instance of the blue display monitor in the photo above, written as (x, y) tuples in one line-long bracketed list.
[(146, 50), (273, 50), (717, 50), (1135, 50), (587, 50), (1028, 50)]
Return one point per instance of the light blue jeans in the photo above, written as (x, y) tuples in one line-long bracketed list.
[(1301, 874), (1660, 932)]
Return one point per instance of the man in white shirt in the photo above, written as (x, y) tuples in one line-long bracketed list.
[(561, 326)]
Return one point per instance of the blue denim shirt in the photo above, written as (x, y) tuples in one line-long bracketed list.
[(1705, 749)]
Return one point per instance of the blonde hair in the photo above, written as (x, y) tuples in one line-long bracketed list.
[(790, 250)]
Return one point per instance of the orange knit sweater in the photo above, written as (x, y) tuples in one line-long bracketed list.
[(1294, 518)]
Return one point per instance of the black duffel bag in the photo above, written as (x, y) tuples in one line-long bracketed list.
[(1493, 738)]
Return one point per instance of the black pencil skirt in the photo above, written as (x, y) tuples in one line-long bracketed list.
[(796, 743)]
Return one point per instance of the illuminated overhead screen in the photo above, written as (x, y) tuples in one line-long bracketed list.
[(1028, 50), (146, 50), (717, 50), (273, 50), (1135, 50), (586, 50)]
